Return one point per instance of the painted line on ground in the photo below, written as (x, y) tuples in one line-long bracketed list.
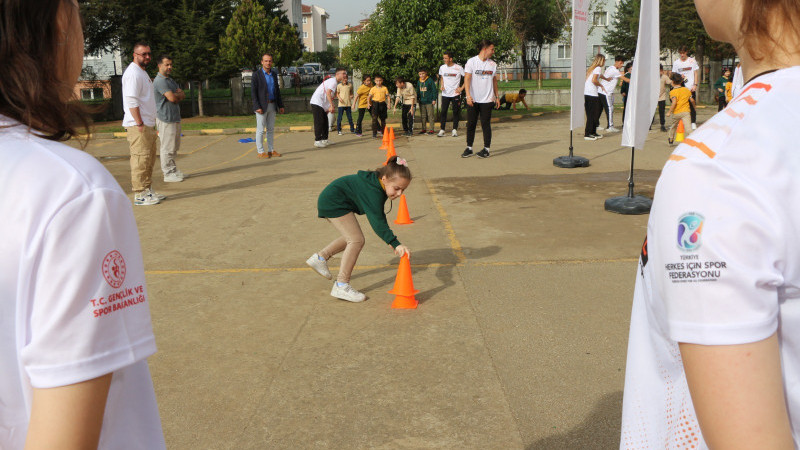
[(448, 226), (205, 146), (552, 262)]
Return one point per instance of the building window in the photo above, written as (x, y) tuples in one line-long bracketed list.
[(597, 50), (564, 51), (305, 34), (600, 18), (305, 19), (92, 94)]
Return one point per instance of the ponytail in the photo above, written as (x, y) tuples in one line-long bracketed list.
[(395, 167)]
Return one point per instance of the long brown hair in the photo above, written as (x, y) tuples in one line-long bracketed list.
[(394, 169), (598, 61), (758, 28), (30, 45)]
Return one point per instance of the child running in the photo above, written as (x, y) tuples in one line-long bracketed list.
[(682, 101), (363, 193), (713, 357)]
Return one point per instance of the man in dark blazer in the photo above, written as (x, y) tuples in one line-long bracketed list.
[(266, 103)]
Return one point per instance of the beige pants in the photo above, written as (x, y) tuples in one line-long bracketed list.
[(351, 242), (143, 156), (427, 116), (169, 133), (687, 125)]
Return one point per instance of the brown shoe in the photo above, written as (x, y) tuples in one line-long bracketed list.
[(263, 155), (275, 154)]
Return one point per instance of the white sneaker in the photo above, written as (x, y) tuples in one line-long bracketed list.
[(347, 292), (694, 126), (155, 194), (144, 199), (441, 133), (455, 133), (339, 133), (600, 128), (319, 144), (173, 178), (589, 138), (613, 129), (319, 265), (326, 143)]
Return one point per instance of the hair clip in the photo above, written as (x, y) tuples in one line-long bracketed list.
[(401, 162)]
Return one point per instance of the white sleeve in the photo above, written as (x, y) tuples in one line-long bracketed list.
[(716, 249), (440, 70), (88, 313), (694, 65), (130, 91), (468, 67)]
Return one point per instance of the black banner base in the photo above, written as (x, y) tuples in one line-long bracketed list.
[(629, 205), (570, 162)]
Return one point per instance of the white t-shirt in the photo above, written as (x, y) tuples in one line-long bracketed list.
[(451, 79), (613, 73), (686, 68), (590, 88), (73, 301), (482, 85), (719, 265), (320, 98), (137, 90)]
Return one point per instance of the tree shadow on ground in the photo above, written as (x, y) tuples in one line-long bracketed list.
[(238, 185), (599, 431), (516, 148), (444, 273)]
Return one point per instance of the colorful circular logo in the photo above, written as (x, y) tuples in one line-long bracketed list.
[(690, 228), (114, 269)]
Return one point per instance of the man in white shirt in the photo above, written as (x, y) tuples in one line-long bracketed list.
[(480, 83), (450, 76), (689, 69), (322, 105), (139, 105), (609, 83)]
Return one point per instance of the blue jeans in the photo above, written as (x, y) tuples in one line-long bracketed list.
[(349, 119), (266, 120)]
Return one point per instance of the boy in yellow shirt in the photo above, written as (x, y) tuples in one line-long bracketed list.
[(378, 103), (360, 102), (682, 102)]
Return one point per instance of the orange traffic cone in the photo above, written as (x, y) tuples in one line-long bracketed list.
[(391, 134), (681, 133), (403, 289), (385, 144), (390, 153), (403, 217)]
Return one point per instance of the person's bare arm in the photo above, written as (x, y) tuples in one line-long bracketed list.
[(696, 81), (174, 97), (369, 100), (330, 100), (738, 396), (523, 102), (68, 417), (137, 116), (467, 80), (673, 102), (496, 92)]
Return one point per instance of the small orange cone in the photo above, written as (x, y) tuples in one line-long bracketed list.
[(391, 134), (403, 217), (390, 153), (385, 144), (403, 289), (681, 133)]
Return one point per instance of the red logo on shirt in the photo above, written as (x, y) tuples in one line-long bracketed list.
[(114, 269)]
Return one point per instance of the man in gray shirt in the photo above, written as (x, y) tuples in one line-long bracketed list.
[(168, 118)]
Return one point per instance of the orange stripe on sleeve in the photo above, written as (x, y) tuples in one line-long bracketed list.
[(700, 146), (676, 157)]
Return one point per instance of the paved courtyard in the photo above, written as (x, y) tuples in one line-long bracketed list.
[(526, 283)]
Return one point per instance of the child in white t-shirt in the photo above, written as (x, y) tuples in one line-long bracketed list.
[(715, 325), (74, 308)]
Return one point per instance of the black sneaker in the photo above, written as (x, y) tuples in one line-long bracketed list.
[(467, 153), (483, 153), (663, 129)]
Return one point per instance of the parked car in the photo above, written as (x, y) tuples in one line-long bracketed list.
[(307, 75), (316, 71)]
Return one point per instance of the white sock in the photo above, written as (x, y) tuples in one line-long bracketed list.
[(486, 148), (469, 148)]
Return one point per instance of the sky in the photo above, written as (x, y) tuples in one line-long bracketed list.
[(344, 12)]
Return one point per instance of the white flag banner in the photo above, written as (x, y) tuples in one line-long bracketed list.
[(643, 90), (580, 30)]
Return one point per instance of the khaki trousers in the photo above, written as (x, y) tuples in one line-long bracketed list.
[(427, 116), (143, 156), (351, 242), (169, 133), (687, 126)]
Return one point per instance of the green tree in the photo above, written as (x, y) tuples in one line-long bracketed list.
[(620, 38), (119, 24), (406, 35), (251, 32), (328, 58), (539, 22)]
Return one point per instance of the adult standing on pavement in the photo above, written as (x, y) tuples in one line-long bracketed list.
[(427, 94), (451, 76), (480, 83), (139, 104), (689, 69), (322, 105), (267, 101), (606, 93), (168, 118)]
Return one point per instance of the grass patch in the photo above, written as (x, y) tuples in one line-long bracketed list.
[(529, 85)]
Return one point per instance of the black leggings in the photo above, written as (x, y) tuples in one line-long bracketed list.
[(692, 111), (662, 107), (484, 111), (378, 117), (593, 111), (320, 123), (446, 101), (361, 112), (408, 119)]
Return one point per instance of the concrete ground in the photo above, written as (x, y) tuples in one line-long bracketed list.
[(526, 282)]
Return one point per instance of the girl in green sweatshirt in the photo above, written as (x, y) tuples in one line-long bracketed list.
[(363, 193)]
